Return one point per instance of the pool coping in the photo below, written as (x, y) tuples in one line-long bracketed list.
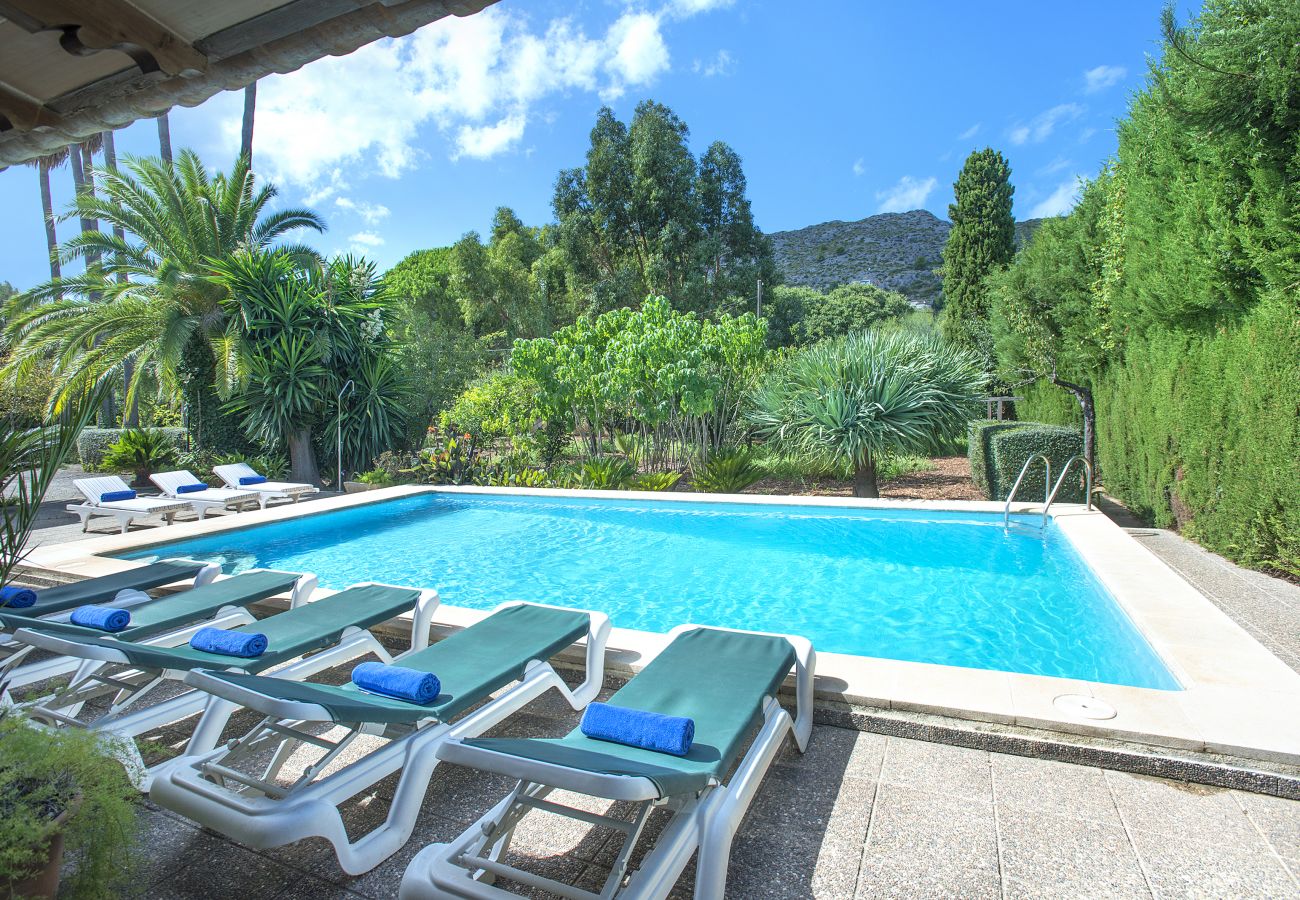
[(1237, 697)]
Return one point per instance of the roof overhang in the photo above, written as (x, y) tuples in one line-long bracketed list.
[(72, 68)]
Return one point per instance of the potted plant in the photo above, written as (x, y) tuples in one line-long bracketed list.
[(61, 789), (143, 451)]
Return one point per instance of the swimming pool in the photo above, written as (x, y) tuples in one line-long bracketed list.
[(953, 588)]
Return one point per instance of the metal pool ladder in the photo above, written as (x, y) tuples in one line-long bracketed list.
[(1050, 496)]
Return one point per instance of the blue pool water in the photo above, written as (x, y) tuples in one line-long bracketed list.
[(941, 587)]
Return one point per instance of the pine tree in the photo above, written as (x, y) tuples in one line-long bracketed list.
[(982, 240)]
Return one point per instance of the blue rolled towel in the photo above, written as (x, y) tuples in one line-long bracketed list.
[(246, 644), (638, 728), (192, 488), (114, 496), (105, 618), (397, 682), (252, 479), (17, 597)]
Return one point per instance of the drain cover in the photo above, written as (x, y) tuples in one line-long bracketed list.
[(1084, 707)]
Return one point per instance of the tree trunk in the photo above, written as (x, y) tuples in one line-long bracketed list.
[(81, 159), (246, 137), (302, 457), (131, 416), (864, 479), (1084, 396), (47, 209), (165, 138)]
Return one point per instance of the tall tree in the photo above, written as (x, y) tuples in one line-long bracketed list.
[(643, 216), (246, 133), (165, 138), (982, 240)]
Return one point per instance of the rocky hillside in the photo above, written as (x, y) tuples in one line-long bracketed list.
[(896, 251)]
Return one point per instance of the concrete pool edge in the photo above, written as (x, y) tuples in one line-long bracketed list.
[(1236, 693)]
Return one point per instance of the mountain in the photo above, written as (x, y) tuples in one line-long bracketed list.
[(896, 251)]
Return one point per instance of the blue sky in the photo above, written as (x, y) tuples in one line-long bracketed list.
[(839, 108)]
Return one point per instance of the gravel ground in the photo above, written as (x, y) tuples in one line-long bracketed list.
[(948, 480)]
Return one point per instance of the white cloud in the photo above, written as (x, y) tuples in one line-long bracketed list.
[(370, 213), (483, 142), (638, 51), (1061, 200), (477, 79), (1102, 77), (859, 167), (721, 64), (684, 9), (1042, 126), (909, 193), (1060, 164), (366, 239), (969, 132), (1086, 135)]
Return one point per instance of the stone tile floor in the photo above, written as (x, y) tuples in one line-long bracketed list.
[(859, 815)]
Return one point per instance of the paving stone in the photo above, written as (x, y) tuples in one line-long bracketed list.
[(168, 845), (384, 879), (1277, 818), (1052, 788), (1222, 868), (951, 771), (845, 750), (227, 871), (921, 844), (1181, 809), (1064, 857)]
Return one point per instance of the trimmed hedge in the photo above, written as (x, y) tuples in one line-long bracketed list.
[(94, 443), (999, 449)]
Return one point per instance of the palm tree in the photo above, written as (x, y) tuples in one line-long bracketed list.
[(167, 317), (165, 138), (246, 133), (856, 399), (43, 166), (131, 417)]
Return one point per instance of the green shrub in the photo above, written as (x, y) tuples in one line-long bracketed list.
[(979, 454), (1009, 447), (42, 772), (656, 481), (726, 471), (609, 473), (93, 444), (142, 451)]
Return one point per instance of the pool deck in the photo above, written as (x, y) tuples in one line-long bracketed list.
[(862, 814)]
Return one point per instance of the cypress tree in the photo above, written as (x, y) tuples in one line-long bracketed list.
[(982, 240)]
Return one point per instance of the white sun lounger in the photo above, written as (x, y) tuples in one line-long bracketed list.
[(303, 640), (266, 491), (205, 501), (726, 682), (125, 511), (234, 790)]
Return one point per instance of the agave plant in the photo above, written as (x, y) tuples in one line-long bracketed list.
[(854, 400), (726, 471)]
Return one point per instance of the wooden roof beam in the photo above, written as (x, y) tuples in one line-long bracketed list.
[(90, 26), (18, 111)]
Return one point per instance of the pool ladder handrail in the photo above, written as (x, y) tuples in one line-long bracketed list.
[(1024, 470), (1087, 484)]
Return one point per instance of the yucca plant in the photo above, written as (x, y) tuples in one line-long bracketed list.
[(857, 399), (726, 471), (609, 473), (142, 451)]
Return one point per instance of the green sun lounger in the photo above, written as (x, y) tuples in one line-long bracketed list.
[(172, 612), (109, 588), (126, 671), (724, 681), (232, 789)]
